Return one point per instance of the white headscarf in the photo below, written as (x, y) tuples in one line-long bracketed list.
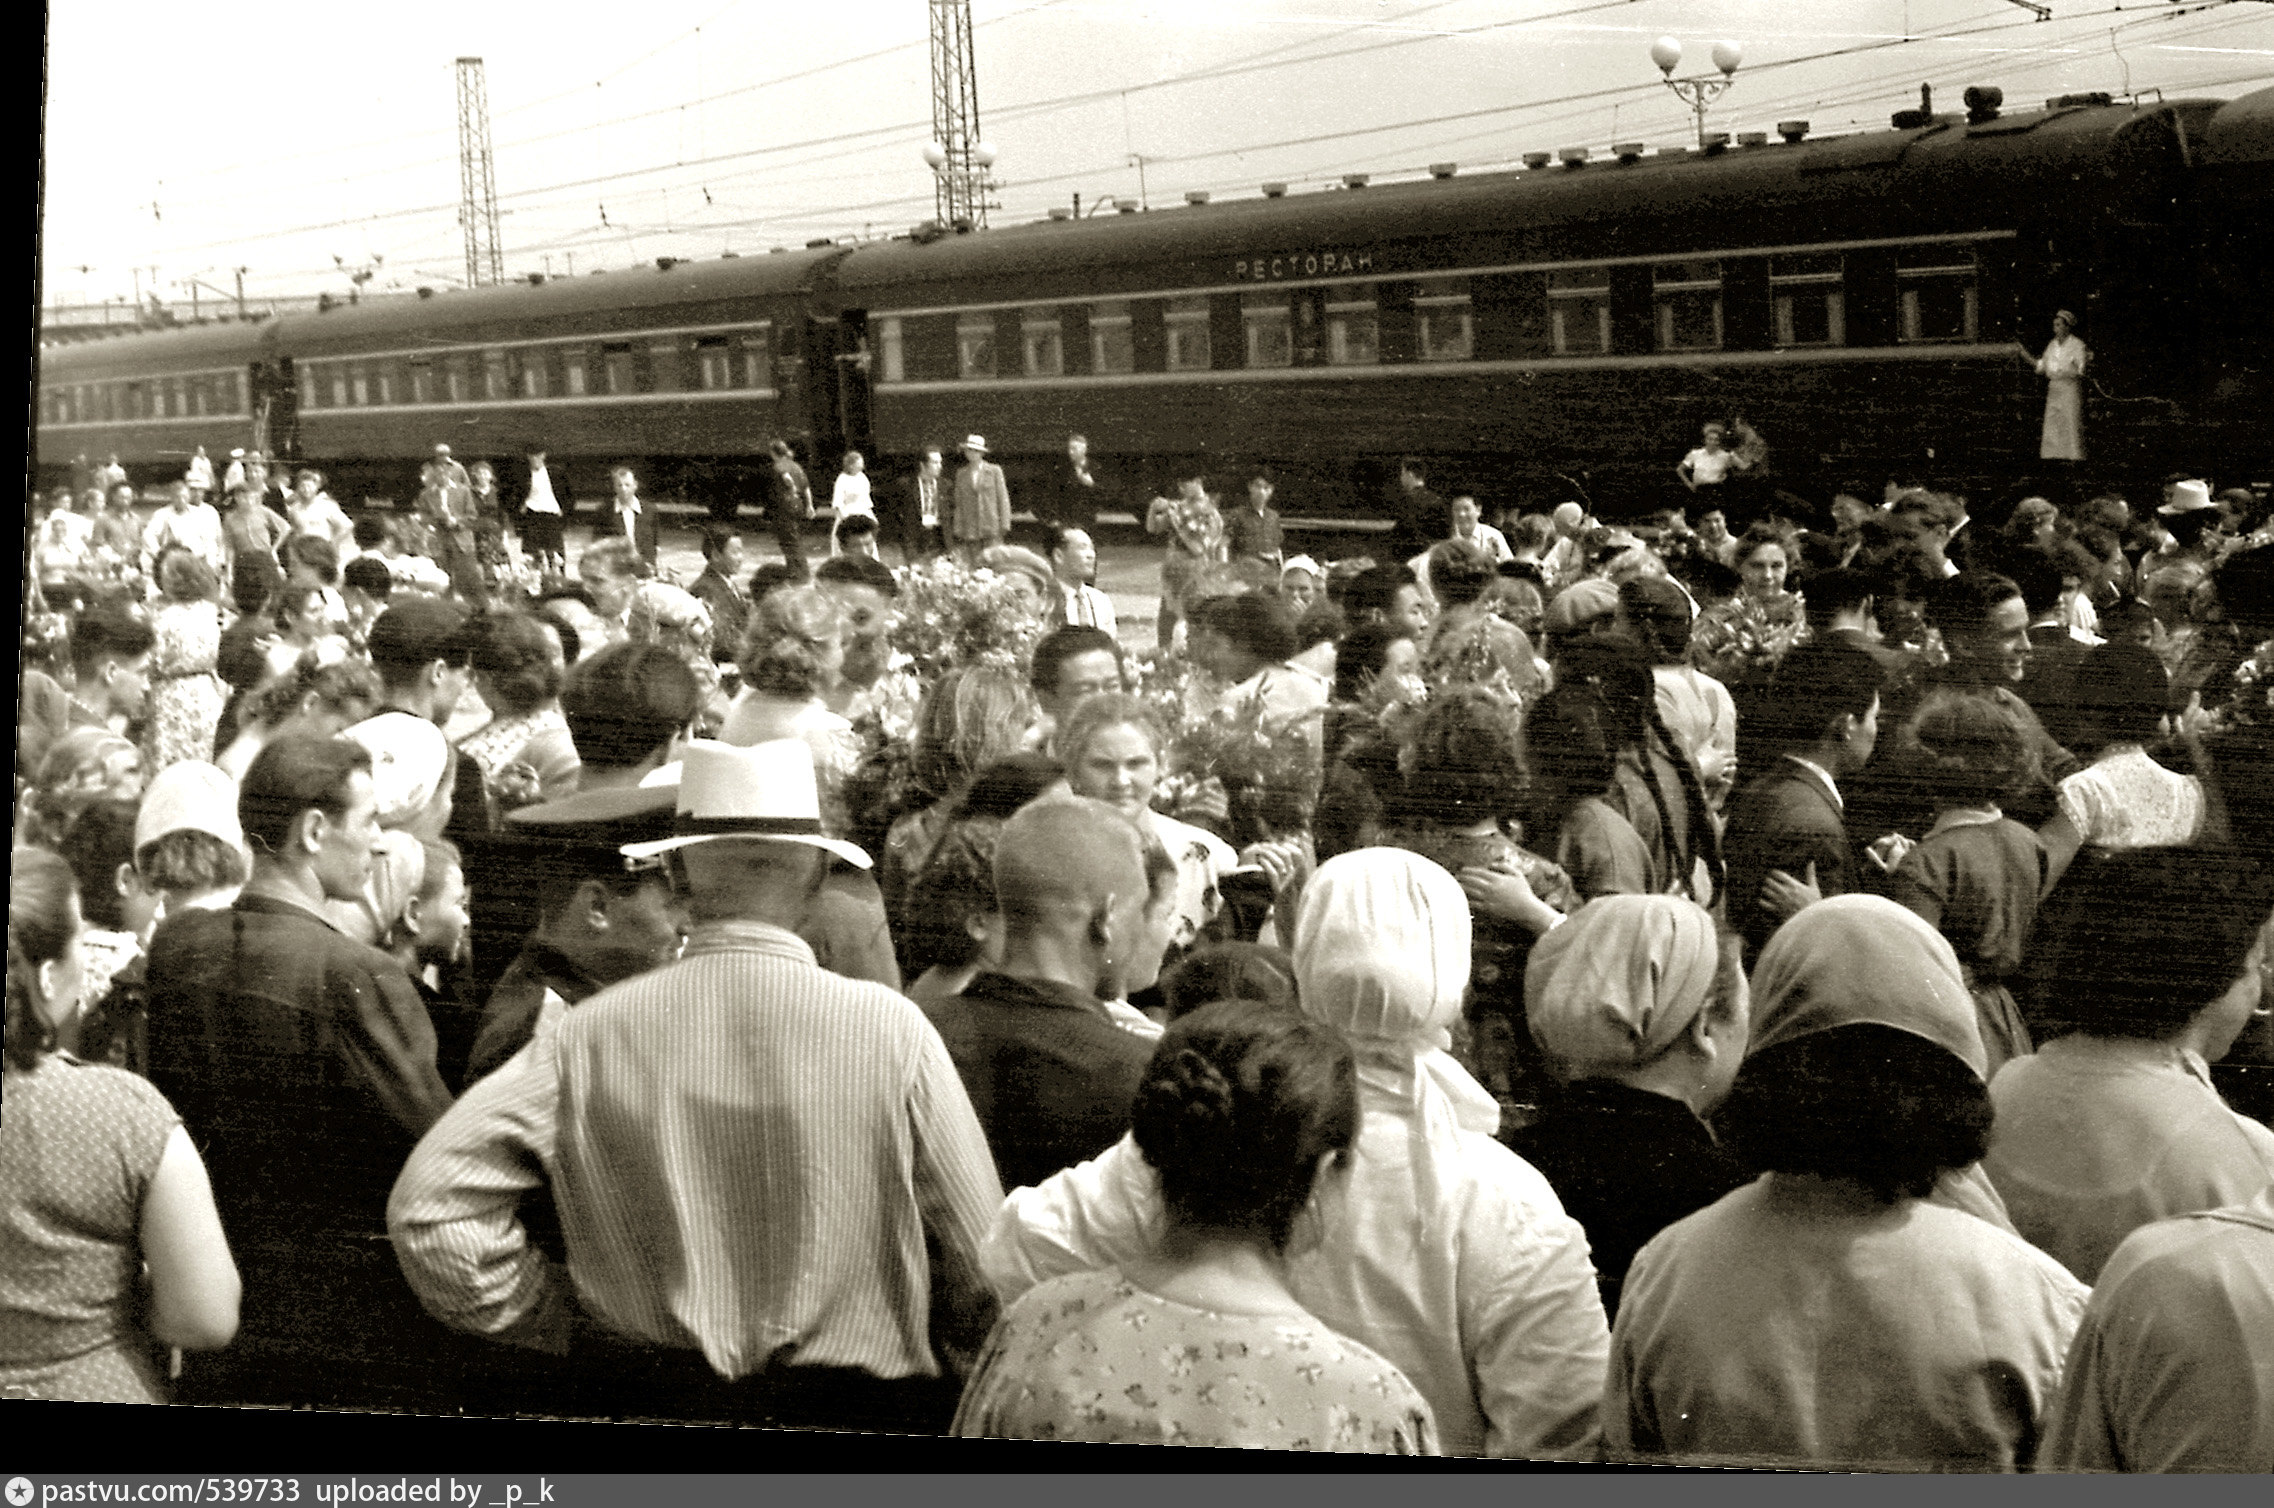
[(1382, 954)]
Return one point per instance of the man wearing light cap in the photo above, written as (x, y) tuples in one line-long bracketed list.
[(750, 1155), (980, 512)]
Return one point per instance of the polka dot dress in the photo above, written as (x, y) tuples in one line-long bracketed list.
[(79, 1144)]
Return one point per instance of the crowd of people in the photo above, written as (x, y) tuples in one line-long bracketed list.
[(1542, 989)]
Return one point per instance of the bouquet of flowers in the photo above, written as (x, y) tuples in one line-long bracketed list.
[(1227, 766), (950, 615), (1748, 636)]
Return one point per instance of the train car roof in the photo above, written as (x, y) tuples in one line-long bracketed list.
[(1948, 175), (618, 298), (2237, 146), (197, 348)]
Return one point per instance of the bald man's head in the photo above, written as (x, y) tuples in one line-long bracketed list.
[(1061, 862)]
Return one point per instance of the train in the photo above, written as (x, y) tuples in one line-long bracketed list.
[(1863, 300)]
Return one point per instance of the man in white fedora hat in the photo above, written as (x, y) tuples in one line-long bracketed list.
[(750, 1155), (981, 513)]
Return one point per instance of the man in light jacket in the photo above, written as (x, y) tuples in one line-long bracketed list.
[(981, 515)]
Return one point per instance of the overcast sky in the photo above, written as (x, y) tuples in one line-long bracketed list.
[(277, 136)]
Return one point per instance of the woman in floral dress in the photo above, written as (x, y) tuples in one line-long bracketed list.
[(1247, 1111), (1745, 638), (186, 695), (1195, 530)]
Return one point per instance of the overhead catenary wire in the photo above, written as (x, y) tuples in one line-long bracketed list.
[(536, 199)]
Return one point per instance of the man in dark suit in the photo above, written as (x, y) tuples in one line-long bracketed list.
[(1074, 498), (1049, 1073), (720, 589), (304, 1062), (1423, 517), (909, 513), (1787, 839), (630, 519)]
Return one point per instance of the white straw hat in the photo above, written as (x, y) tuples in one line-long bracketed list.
[(763, 790)]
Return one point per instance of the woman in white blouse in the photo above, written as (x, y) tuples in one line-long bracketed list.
[(2124, 798)]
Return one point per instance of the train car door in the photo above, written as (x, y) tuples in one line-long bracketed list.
[(837, 383), (853, 381)]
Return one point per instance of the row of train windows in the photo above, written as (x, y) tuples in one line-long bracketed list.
[(1567, 312), (740, 361), (217, 393)]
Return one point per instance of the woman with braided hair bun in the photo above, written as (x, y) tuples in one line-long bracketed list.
[(1246, 1111), (1977, 875)]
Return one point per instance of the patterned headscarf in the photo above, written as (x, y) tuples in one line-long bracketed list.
[(1861, 960)]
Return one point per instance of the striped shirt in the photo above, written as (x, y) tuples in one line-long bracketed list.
[(747, 1153)]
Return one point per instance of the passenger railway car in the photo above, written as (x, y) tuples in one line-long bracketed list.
[(1861, 299), (1858, 298), (153, 399)]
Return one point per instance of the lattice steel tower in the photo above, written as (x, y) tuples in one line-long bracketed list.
[(960, 175), (477, 178)]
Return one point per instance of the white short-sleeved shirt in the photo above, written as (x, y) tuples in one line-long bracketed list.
[(2127, 800), (1708, 466)]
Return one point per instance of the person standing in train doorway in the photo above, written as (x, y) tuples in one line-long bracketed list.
[(980, 514), (2063, 367)]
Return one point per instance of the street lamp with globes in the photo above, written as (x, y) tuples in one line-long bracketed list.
[(1701, 91), (964, 180)]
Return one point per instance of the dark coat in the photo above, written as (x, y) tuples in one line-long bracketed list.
[(1073, 502), (303, 1065), (1051, 1077), (1786, 820)]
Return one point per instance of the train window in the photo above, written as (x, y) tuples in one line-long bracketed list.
[(1579, 310), (1042, 342), (1940, 300), (616, 369), (714, 364), (1112, 347), (422, 382), (383, 382), (1444, 326), (338, 373), (358, 386), (1268, 321), (1687, 296), (497, 377), (455, 385), (1811, 310), (572, 373), (665, 371), (975, 343), (892, 350), (1186, 321), (1354, 326), (758, 358), (535, 371)]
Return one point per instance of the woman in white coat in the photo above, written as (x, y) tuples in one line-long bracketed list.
[(1443, 1250)]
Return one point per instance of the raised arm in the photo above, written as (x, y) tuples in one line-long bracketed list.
[(1100, 1213)]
